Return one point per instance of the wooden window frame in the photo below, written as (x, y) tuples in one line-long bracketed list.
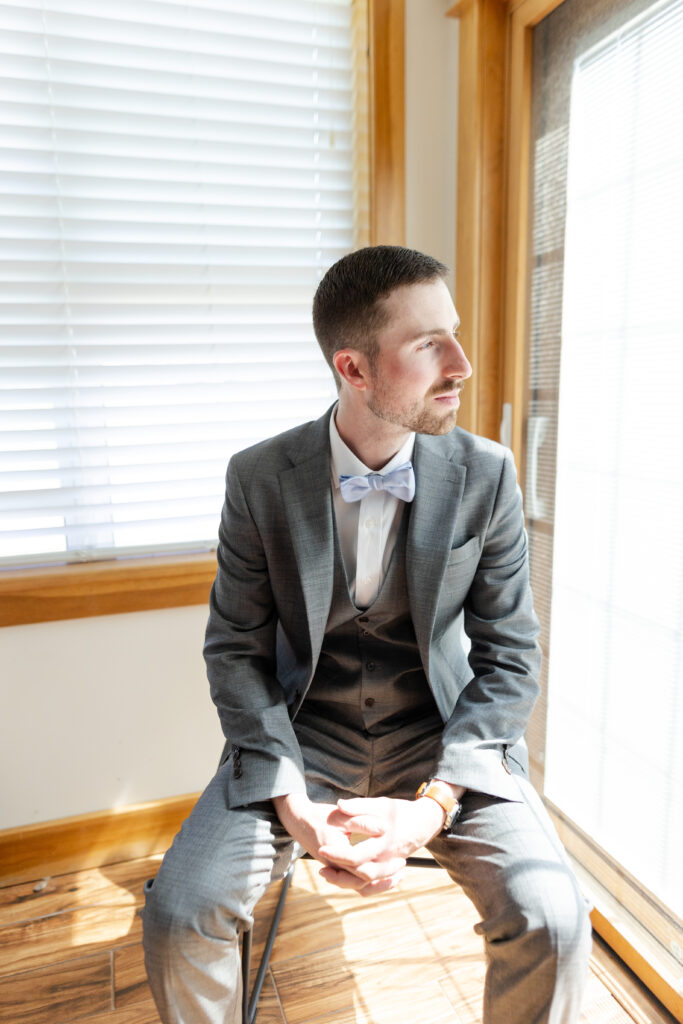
[(139, 584), (492, 248)]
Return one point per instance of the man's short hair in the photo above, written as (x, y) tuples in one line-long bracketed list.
[(347, 307)]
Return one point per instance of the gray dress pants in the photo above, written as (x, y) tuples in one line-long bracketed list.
[(505, 855)]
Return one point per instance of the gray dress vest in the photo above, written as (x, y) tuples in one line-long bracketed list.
[(369, 674)]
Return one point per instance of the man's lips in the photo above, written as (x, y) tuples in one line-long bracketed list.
[(452, 396)]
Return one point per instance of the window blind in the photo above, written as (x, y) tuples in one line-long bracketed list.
[(175, 180)]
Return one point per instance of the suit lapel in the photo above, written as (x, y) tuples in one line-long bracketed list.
[(307, 501), (439, 489)]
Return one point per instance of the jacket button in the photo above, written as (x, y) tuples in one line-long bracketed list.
[(363, 618), (370, 666), (369, 702)]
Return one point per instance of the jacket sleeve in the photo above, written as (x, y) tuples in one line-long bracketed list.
[(240, 655), (493, 708)]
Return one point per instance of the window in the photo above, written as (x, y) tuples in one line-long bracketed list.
[(603, 485), (616, 640), (176, 180)]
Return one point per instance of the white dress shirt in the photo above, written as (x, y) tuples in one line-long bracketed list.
[(368, 528)]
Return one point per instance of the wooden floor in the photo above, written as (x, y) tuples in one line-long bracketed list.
[(70, 950)]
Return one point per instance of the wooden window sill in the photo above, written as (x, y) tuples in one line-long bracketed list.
[(104, 588)]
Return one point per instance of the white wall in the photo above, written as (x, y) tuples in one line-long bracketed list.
[(103, 712)]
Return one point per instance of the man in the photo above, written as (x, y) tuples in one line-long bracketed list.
[(352, 552)]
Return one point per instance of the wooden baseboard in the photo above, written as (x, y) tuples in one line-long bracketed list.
[(31, 852)]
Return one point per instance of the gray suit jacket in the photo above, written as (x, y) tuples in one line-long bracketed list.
[(466, 565)]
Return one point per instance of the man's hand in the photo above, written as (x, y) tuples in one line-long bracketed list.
[(322, 826), (396, 829)]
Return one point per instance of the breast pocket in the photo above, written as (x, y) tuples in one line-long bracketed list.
[(470, 549)]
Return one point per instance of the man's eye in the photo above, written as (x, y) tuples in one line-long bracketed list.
[(426, 344)]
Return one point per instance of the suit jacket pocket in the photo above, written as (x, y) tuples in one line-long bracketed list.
[(467, 550)]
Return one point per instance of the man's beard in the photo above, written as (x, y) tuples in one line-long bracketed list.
[(418, 416)]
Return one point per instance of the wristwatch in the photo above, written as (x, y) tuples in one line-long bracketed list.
[(441, 793)]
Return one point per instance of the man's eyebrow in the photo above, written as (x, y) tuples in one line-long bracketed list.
[(435, 331)]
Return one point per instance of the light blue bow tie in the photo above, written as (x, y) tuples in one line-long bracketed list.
[(400, 482)]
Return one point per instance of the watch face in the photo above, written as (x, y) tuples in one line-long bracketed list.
[(453, 816)]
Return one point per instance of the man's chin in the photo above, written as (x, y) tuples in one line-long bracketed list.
[(446, 427), (436, 426), (438, 430)]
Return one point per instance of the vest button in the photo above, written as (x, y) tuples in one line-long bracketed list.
[(364, 632), (370, 666), (369, 702)]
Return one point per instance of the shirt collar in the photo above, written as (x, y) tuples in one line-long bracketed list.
[(345, 463)]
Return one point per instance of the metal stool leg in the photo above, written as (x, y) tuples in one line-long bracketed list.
[(246, 971), (250, 1004)]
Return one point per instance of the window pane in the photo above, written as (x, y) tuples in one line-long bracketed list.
[(604, 479)]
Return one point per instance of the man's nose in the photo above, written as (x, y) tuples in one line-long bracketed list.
[(456, 363)]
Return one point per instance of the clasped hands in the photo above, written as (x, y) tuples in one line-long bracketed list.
[(394, 829)]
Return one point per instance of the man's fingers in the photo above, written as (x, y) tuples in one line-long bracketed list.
[(360, 805), (351, 856), (360, 860), (341, 878), (376, 871), (382, 885), (365, 824), (345, 880)]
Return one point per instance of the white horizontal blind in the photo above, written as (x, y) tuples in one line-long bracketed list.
[(174, 180), (616, 638)]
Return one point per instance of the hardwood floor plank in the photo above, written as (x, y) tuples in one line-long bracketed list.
[(599, 1006), (130, 978), (74, 933), (112, 885), (464, 997), (59, 993), (379, 960), (374, 995), (381, 1006), (140, 1013)]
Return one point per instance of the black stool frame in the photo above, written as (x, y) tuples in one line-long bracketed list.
[(250, 1003)]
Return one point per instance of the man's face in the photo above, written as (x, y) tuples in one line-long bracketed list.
[(417, 377)]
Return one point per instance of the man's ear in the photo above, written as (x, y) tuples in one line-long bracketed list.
[(352, 366)]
